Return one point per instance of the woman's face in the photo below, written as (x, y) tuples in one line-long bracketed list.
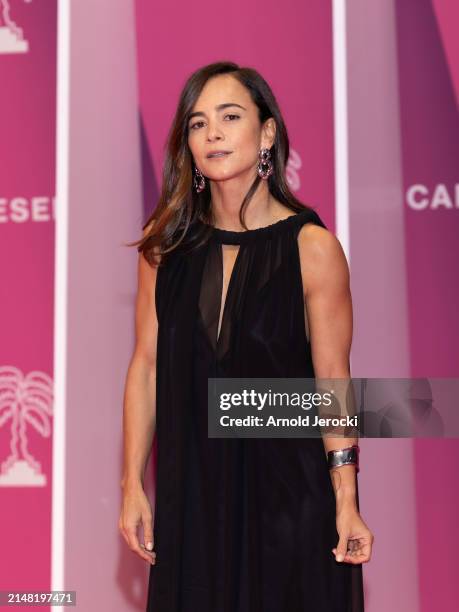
[(225, 119)]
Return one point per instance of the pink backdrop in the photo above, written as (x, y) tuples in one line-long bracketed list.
[(27, 109), (403, 93), (430, 143)]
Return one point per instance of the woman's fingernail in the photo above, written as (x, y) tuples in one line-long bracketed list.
[(149, 545), (339, 557)]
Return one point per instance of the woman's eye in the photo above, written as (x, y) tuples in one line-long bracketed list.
[(231, 115), (192, 127)]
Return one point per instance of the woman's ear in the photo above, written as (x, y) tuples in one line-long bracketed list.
[(268, 133)]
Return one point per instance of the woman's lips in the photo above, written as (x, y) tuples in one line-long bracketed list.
[(219, 154)]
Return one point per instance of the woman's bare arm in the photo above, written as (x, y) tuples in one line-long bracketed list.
[(329, 313), (328, 306), (139, 415)]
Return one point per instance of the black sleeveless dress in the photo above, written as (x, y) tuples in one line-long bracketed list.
[(241, 525)]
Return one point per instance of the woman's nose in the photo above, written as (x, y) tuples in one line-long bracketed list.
[(214, 132)]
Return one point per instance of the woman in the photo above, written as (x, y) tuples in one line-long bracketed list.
[(250, 284)]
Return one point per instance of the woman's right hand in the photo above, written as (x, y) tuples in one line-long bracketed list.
[(135, 511)]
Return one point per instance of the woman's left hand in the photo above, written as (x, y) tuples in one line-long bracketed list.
[(355, 539)]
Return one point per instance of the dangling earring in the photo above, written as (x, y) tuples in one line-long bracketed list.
[(199, 181), (265, 165)]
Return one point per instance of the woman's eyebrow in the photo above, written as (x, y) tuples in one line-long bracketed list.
[(218, 107)]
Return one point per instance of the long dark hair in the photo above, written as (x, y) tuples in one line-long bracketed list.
[(180, 205)]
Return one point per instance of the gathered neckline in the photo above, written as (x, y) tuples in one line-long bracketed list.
[(239, 236)]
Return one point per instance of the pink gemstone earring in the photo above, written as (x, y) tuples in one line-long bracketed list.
[(199, 181), (265, 165)]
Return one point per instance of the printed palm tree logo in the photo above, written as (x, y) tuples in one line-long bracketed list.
[(291, 171), (25, 401), (11, 35)]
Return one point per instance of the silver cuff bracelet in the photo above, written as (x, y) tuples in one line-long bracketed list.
[(344, 456)]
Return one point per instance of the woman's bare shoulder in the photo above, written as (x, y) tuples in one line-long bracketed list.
[(322, 255), (317, 241)]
